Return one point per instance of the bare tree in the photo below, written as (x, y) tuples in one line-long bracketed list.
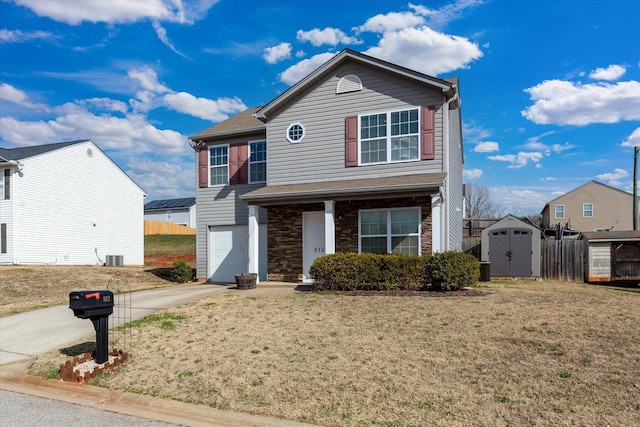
[(480, 204)]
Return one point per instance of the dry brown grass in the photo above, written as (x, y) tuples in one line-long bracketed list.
[(523, 354), (24, 288)]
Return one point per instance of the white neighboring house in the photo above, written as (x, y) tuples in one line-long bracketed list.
[(177, 211), (68, 203)]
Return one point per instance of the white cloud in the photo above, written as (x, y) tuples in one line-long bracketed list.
[(166, 179), (393, 21), (520, 160), (633, 140), (329, 36), (118, 11), (107, 104), (487, 147), (426, 50), (472, 173), (17, 36), (520, 201), (565, 103), (24, 133), (296, 72), (204, 108), (17, 96), (613, 178), (277, 53), (161, 32), (148, 79), (612, 72)]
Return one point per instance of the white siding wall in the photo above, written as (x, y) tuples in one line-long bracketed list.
[(320, 156), (7, 216), (74, 209), (178, 216)]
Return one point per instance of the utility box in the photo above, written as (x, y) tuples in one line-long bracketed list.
[(97, 306), (114, 261)]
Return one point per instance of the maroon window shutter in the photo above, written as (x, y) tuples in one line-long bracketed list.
[(234, 166), (203, 167), (427, 134), (243, 163), (351, 141)]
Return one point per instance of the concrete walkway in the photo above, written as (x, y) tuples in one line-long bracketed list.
[(27, 335)]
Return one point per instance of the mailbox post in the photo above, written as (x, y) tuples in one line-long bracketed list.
[(97, 306)]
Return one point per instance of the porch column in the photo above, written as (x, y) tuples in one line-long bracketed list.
[(253, 243), (329, 227), (436, 224)]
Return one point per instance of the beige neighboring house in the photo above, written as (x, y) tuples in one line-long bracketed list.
[(591, 207)]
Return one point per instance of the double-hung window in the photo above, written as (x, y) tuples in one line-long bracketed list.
[(559, 213), (587, 210), (258, 161), (388, 231), (5, 186), (219, 165), (390, 137)]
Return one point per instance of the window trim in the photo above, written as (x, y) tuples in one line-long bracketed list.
[(295, 141), (226, 146), (388, 137), (250, 180), (555, 211), (584, 205), (389, 234)]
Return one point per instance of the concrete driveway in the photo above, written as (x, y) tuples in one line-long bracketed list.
[(27, 335)]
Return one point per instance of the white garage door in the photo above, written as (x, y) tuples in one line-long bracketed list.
[(225, 252)]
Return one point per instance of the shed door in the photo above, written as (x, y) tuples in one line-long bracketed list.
[(510, 252)]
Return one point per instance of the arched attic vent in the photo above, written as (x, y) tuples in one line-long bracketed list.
[(349, 83)]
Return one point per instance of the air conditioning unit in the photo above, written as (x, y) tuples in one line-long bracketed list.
[(115, 261)]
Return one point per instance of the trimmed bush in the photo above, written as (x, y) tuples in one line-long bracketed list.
[(350, 271), (181, 272), (451, 270)]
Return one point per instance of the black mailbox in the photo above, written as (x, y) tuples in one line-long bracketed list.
[(88, 304), (97, 306)]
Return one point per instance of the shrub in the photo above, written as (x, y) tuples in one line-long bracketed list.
[(451, 270), (181, 272), (349, 271)]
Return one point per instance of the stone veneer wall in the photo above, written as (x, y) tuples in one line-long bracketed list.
[(285, 231)]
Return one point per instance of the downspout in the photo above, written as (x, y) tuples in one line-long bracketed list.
[(445, 169)]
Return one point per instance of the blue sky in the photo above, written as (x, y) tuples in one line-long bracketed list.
[(550, 88)]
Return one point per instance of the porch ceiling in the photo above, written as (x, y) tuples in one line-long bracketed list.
[(393, 186)]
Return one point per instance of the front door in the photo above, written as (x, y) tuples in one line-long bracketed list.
[(312, 240)]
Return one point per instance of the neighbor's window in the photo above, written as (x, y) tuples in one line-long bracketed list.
[(3, 238), (587, 210), (387, 231), (295, 132), (257, 161), (219, 165), (169, 215), (6, 183), (389, 137), (559, 211)]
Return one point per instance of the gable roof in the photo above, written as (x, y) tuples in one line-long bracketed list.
[(185, 202), (448, 87), (243, 122), (584, 185), (19, 153)]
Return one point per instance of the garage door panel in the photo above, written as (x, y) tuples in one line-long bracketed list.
[(225, 258)]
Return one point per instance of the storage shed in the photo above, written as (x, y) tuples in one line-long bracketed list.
[(613, 256), (512, 247)]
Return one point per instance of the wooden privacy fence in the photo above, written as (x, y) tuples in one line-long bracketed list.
[(563, 259), (161, 227)]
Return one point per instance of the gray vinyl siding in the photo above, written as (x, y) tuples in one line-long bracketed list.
[(455, 180), (219, 206), (320, 156)]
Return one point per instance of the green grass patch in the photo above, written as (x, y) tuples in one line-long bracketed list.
[(166, 321), (178, 244)]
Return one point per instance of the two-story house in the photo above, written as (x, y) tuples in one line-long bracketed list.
[(361, 155), (68, 203), (593, 206)]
